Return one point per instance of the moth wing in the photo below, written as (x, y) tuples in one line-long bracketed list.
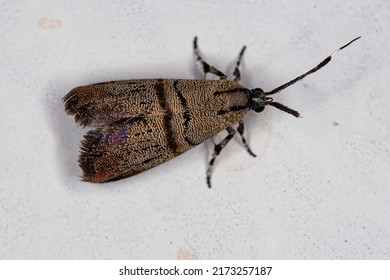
[(124, 148), (143, 123), (104, 103)]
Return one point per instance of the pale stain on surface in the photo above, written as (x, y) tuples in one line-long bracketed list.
[(186, 254), (166, 193), (376, 103), (48, 23)]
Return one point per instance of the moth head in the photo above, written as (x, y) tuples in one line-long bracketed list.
[(259, 100)]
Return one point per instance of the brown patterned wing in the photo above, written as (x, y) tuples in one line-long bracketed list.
[(124, 148), (104, 103), (150, 122)]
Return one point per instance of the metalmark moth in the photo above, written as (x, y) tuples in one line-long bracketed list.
[(139, 124)]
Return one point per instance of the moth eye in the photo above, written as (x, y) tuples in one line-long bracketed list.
[(258, 109)]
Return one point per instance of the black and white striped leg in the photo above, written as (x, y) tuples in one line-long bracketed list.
[(240, 130), (204, 66), (217, 149), (237, 73)]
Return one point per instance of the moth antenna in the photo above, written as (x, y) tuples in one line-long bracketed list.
[(285, 108), (315, 69)]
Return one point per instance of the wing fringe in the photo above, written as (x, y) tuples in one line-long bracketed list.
[(72, 107), (86, 157)]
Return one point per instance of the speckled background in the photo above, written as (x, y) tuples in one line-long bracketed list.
[(319, 188)]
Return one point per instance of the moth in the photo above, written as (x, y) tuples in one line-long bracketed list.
[(139, 124)]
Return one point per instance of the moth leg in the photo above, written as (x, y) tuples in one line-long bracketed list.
[(237, 73), (217, 149), (204, 66), (240, 130)]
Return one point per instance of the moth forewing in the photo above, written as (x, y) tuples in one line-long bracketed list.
[(143, 123)]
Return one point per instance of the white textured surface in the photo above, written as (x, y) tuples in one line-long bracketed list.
[(319, 189)]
